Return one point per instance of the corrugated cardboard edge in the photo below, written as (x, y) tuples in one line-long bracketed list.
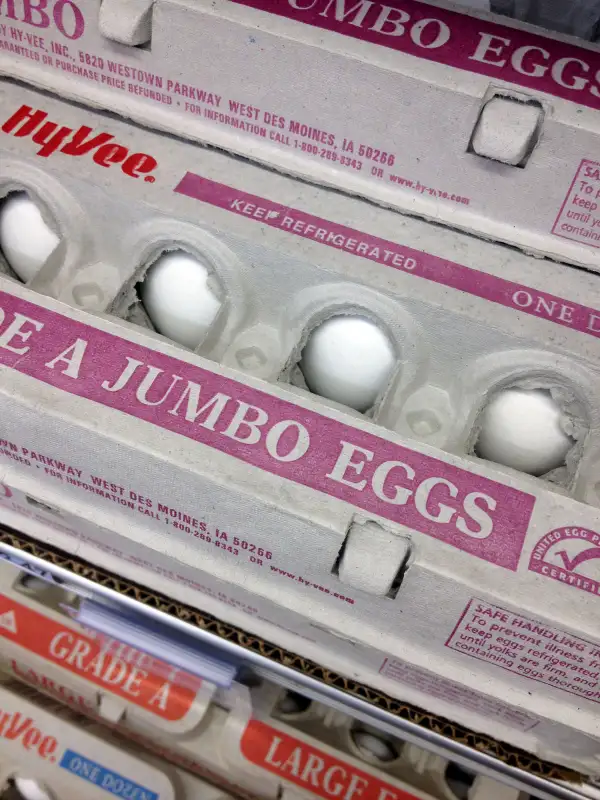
[(193, 616)]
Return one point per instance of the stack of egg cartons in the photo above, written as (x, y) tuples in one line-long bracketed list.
[(299, 324), (257, 742)]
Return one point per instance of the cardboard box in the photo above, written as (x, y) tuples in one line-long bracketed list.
[(62, 753), (219, 474), (473, 120)]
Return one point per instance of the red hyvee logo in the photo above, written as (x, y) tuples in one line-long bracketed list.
[(53, 137), (18, 728), (64, 15)]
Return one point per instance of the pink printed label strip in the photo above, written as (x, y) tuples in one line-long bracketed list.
[(473, 513), (363, 245)]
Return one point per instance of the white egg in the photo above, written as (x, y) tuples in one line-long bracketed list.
[(30, 789), (374, 746), (178, 299), (26, 240), (349, 360), (521, 429)]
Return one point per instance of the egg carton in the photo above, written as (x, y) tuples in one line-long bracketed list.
[(376, 539), (47, 753), (44, 647), (37, 626), (475, 120), (268, 742)]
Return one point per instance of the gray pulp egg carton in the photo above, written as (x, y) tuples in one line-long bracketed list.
[(472, 119), (215, 475)]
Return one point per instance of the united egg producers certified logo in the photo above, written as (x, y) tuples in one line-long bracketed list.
[(570, 555)]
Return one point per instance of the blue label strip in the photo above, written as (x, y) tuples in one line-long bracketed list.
[(105, 778)]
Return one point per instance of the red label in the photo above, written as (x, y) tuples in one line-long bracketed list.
[(319, 772), (456, 40), (80, 705), (101, 147), (142, 683)]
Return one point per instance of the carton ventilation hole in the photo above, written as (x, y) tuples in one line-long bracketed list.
[(56, 595), (459, 780), (348, 359), (373, 559), (424, 423), (179, 297), (40, 505), (293, 703), (127, 23), (26, 239), (507, 130), (523, 429), (88, 295)]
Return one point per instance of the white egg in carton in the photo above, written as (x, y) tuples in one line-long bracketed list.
[(384, 434)]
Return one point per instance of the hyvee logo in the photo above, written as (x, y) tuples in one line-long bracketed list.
[(65, 14), (17, 728), (53, 137), (570, 555)]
